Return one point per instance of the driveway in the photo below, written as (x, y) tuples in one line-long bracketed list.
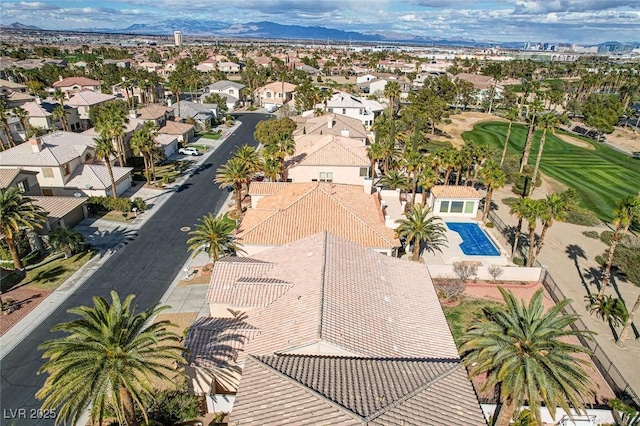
[(145, 266)]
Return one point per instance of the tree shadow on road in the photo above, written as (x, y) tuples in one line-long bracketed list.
[(576, 252)]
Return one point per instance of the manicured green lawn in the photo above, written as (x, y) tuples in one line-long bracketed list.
[(227, 219), (214, 136), (468, 312), (51, 275), (601, 176)]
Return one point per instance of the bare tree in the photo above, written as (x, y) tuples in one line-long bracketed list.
[(464, 270), (495, 271)]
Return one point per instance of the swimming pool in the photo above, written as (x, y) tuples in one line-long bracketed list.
[(474, 241)]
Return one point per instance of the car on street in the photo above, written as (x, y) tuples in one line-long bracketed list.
[(189, 151)]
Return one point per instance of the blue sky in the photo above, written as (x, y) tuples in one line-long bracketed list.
[(573, 21)]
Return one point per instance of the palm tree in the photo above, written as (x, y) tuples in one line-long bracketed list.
[(512, 115), (534, 107), (548, 121), (422, 231), (281, 148), (143, 143), (375, 151), (534, 211), (610, 309), (249, 156), (518, 209), (66, 240), (556, 208), (4, 119), (395, 180), (628, 323), (426, 179), (108, 360), (524, 353), (23, 116), (111, 120), (628, 209), (104, 150), (17, 213), (392, 92), (60, 113), (234, 173), (493, 178), (213, 235), (271, 168)]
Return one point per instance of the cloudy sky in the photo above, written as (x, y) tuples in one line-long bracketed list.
[(575, 21)]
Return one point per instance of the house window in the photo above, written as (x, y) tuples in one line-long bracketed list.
[(326, 177), (280, 95), (361, 111), (23, 186), (444, 207), (67, 170), (456, 206), (47, 192), (344, 111), (47, 172), (331, 110), (364, 171), (231, 91), (468, 207), (268, 95)]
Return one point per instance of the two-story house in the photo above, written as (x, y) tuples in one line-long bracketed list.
[(344, 103), (41, 114), (205, 115), (66, 164), (156, 113), (25, 180), (231, 90), (71, 85), (273, 95), (14, 94), (85, 101)]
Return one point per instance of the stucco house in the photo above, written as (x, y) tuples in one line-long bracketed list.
[(156, 113), (343, 103), (85, 101), (72, 85), (232, 91), (205, 115), (184, 132), (14, 94), (284, 212), (328, 158), (330, 124), (168, 143), (41, 114), (66, 165), (274, 95), (454, 200), (328, 332), (25, 180)]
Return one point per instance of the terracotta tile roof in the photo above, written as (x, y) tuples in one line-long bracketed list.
[(153, 112), (95, 176), (88, 98), (319, 126), (216, 342), (57, 148), (328, 150), (302, 209), (350, 297), (175, 128), (266, 188), (72, 81), (276, 87), (357, 391), (57, 207), (455, 191)]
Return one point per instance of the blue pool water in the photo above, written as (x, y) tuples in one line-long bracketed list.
[(474, 241)]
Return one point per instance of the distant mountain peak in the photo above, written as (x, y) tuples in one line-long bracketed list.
[(20, 26)]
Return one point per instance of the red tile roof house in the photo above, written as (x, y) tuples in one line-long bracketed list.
[(71, 85), (285, 212), (328, 332)]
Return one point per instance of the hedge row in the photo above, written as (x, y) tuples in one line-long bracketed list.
[(119, 204)]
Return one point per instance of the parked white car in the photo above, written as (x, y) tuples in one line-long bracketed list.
[(189, 151)]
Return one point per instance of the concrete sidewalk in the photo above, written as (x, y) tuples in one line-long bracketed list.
[(107, 237)]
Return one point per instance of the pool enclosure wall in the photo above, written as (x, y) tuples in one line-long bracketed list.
[(454, 201)]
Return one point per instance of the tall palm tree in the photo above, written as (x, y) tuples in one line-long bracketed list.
[(375, 151), (59, 113), (283, 146), (556, 208), (448, 161), (425, 233), (512, 115), (519, 209), (426, 179), (534, 211), (234, 173), (610, 309), (548, 121), (249, 156), (532, 116), (4, 119), (143, 143), (104, 150), (112, 120), (628, 323), (213, 235), (23, 116), (271, 168), (109, 358), (628, 209), (522, 349), (17, 213), (392, 92), (493, 178)]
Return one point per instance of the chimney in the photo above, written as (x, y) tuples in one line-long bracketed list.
[(330, 121), (36, 144), (344, 133), (169, 101), (60, 77)]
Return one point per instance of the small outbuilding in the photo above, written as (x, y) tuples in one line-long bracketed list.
[(454, 200)]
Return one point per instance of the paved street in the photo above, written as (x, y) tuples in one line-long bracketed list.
[(145, 266)]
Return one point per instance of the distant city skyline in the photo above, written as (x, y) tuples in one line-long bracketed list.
[(555, 21)]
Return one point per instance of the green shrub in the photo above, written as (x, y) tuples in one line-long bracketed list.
[(510, 201), (172, 406), (110, 203), (489, 225), (518, 261), (140, 204), (582, 216), (606, 237), (591, 234)]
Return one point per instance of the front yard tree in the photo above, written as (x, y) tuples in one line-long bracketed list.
[(628, 210), (17, 213), (107, 361), (424, 232), (104, 150), (213, 235), (523, 351), (268, 131), (556, 207), (66, 241), (234, 173)]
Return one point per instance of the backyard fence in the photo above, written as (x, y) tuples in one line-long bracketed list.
[(611, 374)]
